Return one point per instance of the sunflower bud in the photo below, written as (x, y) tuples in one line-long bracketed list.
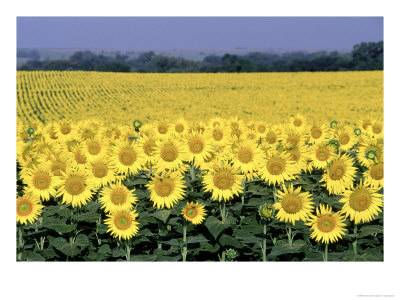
[(266, 211), (231, 253)]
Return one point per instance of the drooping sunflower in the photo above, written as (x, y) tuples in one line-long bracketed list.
[(247, 157), (278, 167), (224, 181), (101, 171), (117, 196), (194, 212), (122, 223), (346, 138), (76, 187), (369, 152), (326, 226), (127, 158), (300, 156), (374, 175), (293, 205), (166, 189), (28, 208), (361, 203), (321, 155), (169, 155), (339, 175), (198, 145), (40, 182)]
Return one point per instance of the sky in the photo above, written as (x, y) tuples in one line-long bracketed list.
[(136, 33)]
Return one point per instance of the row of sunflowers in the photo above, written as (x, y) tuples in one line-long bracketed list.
[(240, 186)]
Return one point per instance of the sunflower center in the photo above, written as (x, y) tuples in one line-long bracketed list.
[(271, 138), (94, 148), (179, 128), (322, 154), (291, 204), (118, 197), (75, 185), (267, 211), (276, 166), (164, 188), (360, 200), (261, 128), (122, 221), (80, 158), (293, 140), (162, 128), (377, 172), (337, 171), (326, 223), (127, 156), (223, 180), (148, 147), (218, 135), (316, 133), (24, 208), (376, 129), (245, 156), (65, 129), (100, 170), (42, 181), (344, 139), (192, 212), (57, 167), (169, 153), (196, 145), (297, 122), (366, 124)]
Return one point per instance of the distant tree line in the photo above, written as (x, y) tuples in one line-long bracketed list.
[(364, 56)]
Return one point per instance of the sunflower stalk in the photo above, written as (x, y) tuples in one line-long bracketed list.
[(20, 244), (244, 190), (222, 208), (128, 251), (325, 255), (264, 247), (184, 250), (355, 241), (290, 235)]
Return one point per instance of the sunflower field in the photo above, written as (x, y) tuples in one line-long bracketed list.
[(304, 187)]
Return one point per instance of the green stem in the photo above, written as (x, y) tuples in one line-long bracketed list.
[(264, 248), (326, 253), (222, 208), (356, 240), (244, 190), (184, 250), (128, 251), (20, 244), (289, 234)]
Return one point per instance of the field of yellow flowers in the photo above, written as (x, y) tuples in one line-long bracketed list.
[(261, 167)]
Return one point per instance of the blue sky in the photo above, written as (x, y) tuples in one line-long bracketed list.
[(136, 33)]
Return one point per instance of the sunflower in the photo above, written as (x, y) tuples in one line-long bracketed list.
[(292, 137), (166, 189), (40, 182), (346, 138), (220, 136), (299, 123), (339, 175), (326, 226), (321, 155), (318, 133), (272, 138), (77, 157), (199, 146), (376, 129), (374, 175), (362, 203), (94, 148), (224, 181), (365, 123), (369, 152), (194, 212), (117, 196), (101, 172), (57, 162), (247, 157), (169, 154), (65, 130), (293, 205), (278, 168), (122, 223), (216, 122), (179, 127), (261, 129), (300, 156), (161, 129), (25, 151), (28, 208), (76, 187), (127, 158)]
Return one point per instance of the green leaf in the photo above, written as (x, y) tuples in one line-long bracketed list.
[(64, 211), (89, 217), (34, 256), (197, 239), (370, 229), (172, 242), (118, 252), (283, 247), (81, 241), (143, 257), (58, 225), (162, 214), (214, 226), (103, 252), (207, 247), (68, 249), (226, 240), (102, 228), (50, 253)]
